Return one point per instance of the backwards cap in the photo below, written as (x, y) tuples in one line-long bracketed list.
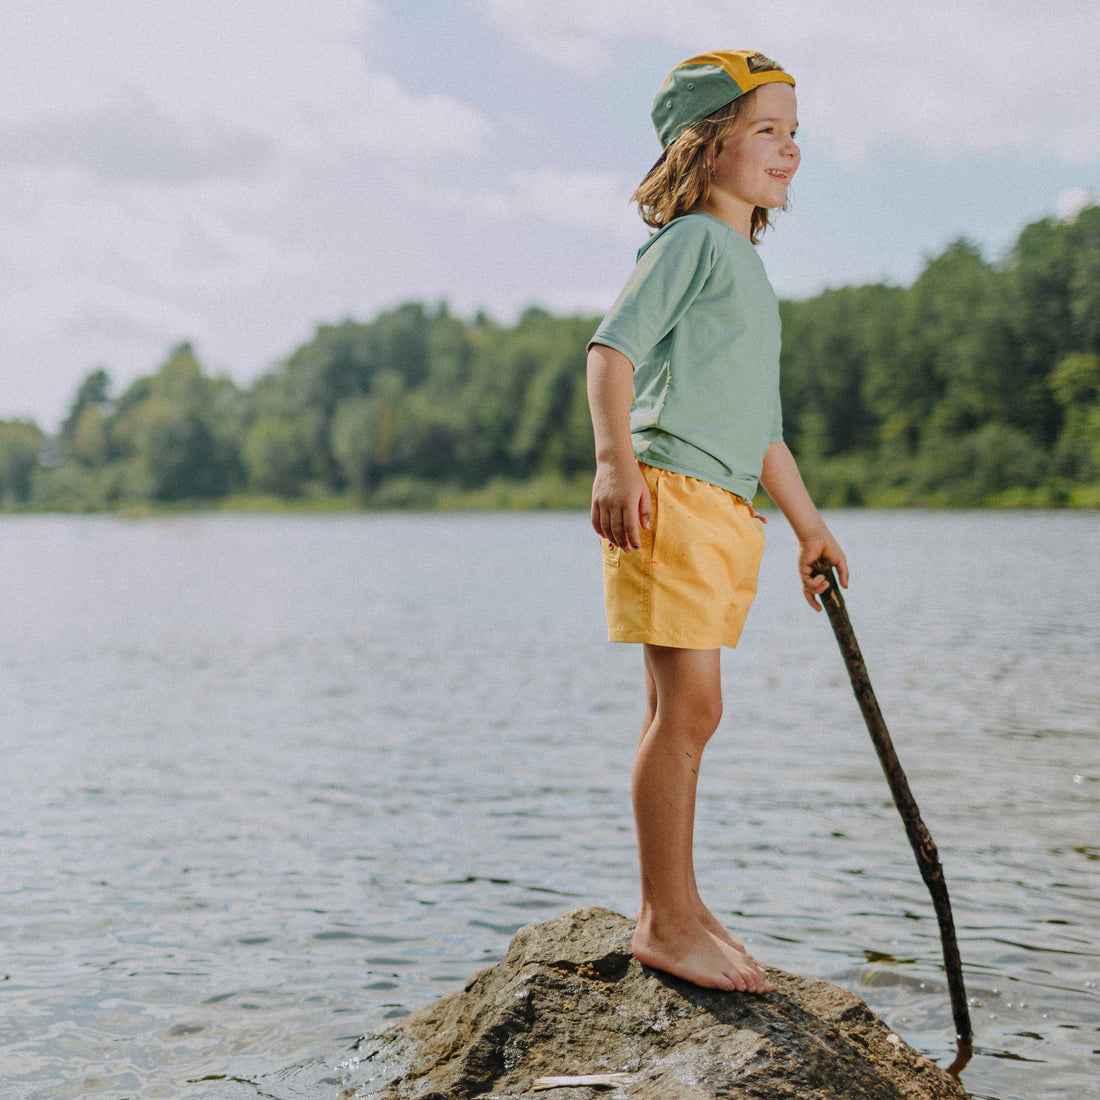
[(699, 86)]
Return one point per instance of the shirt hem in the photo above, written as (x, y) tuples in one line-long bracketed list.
[(746, 490), (614, 346)]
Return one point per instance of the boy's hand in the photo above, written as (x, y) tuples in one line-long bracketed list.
[(809, 551), (621, 504)]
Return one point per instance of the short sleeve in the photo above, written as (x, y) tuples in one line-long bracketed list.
[(671, 270), (777, 425)]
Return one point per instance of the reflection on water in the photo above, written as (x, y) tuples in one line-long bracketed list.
[(271, 782)]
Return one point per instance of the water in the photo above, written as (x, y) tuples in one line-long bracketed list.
[(273, 782)]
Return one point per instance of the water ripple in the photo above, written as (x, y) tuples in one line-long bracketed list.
[(270, 783)]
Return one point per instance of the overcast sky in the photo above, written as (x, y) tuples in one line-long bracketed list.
[(235, 172)]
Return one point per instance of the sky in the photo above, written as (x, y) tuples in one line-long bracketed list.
[(236, 172)]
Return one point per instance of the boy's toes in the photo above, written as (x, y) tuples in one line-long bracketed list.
[(737, 983)]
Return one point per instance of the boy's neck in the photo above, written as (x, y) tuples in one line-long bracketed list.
[(733, 213)]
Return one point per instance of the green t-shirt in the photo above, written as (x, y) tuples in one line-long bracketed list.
[(699, 321)]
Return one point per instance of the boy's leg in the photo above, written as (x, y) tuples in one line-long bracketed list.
[(710, 922), (687, 698)]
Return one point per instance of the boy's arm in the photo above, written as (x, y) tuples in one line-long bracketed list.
[(783, 482), (620, 496)]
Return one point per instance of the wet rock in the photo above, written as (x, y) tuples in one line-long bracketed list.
[(569, 1000)]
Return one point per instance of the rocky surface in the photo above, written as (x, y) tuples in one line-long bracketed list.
[(570, 1001)]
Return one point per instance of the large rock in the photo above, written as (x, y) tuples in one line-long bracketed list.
[(569, 1000)]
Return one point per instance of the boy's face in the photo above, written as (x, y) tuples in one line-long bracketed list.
[(758, 160)]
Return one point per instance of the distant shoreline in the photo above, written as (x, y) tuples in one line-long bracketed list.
[(517, 497)]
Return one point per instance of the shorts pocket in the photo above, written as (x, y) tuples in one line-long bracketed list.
[(656, 501), (611, 554)]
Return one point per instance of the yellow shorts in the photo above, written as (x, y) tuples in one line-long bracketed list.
[(691, 583)]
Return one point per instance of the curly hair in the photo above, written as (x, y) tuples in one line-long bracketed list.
[(680, 181)]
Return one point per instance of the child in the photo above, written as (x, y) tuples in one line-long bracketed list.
[(683, 384)]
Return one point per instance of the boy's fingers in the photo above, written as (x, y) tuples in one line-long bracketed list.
[(616, 531), (630, 536), (621, 526), (597, 522)]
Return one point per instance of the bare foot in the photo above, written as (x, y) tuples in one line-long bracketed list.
[(714, 926), (719, 931), (690, 951)]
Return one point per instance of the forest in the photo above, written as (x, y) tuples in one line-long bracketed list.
[(976, 386)]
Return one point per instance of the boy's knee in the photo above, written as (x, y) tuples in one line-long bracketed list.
[(687, 689), (699, 715), (710, 713)]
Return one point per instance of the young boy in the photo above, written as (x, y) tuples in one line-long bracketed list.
[(683, 382)]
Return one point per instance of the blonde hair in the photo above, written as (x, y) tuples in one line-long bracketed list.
[(680, 181)]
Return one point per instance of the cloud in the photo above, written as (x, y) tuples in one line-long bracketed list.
[(573, 198), (145, 320), (943, 77), (182, 92), (383, 118), (584, 202), (134, 139), (575, 36), (185, 169), (1071, 202), (232, 172)]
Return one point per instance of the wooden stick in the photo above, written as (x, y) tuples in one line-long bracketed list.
[(928, 859)]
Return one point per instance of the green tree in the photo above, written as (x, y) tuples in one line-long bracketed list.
[(489, 405), (450, 355), (371, 437), (547, 354), (947, 340), (92, 393), (183, 428), (431, 434), (1041, 282), (976, 383), (180, 451), (345, 360), (836, 363), (1084, 289), (276, 455), (1075, 384), (20, 451), (354, 428), (89, 442), (570, 449), (968, 468)]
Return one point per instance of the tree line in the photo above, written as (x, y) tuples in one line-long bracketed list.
[(979, 384)]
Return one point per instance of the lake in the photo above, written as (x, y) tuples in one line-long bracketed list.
[(272, 782)]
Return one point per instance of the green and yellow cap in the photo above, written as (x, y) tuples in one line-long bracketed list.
[(699, 86)]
